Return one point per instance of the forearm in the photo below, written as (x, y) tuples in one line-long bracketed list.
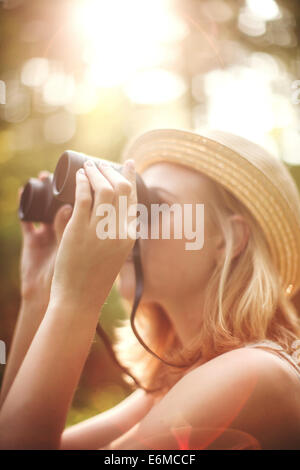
[(34, 412), (30, 316)]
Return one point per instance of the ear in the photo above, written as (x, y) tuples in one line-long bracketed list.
[(241, 232)]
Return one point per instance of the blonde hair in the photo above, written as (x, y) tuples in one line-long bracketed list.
[(250, 306)]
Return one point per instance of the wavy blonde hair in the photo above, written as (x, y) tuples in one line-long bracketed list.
[(250, 306)]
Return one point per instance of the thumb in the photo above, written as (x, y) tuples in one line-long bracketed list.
[(61, 219)]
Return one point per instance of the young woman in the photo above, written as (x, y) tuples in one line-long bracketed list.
[(224, 311)]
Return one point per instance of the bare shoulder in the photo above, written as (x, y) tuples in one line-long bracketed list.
[(258, 373), (244, 398), (259, 393), (247, 363)]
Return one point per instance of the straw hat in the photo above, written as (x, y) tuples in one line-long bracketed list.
[(261, 181)]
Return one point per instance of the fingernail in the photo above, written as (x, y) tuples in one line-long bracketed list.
[(130, 164), (81, 171), (89, 163), (104, 164)]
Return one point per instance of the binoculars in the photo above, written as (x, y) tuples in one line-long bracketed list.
[(41, 199)]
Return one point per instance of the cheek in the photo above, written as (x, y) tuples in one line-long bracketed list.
[(163, 262), (170, 269), (199, 266)]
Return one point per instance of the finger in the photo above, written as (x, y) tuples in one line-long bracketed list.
[(120, 183), (43, 175), (124, 185), (27, 228), (122, 191), (61, 219), (83, 198), (104, 191), (128, 171)]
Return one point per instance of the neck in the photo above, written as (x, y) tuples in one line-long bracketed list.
[(185, 316)]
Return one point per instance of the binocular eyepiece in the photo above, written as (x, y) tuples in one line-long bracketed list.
[(41, 199), (38, 203)]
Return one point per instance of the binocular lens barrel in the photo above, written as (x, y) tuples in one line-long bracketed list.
[(41, 199), (64, 179)]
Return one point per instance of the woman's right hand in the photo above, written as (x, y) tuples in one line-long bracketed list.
[(38, 255)]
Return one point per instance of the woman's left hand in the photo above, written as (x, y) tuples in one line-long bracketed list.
[(87, 264)]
